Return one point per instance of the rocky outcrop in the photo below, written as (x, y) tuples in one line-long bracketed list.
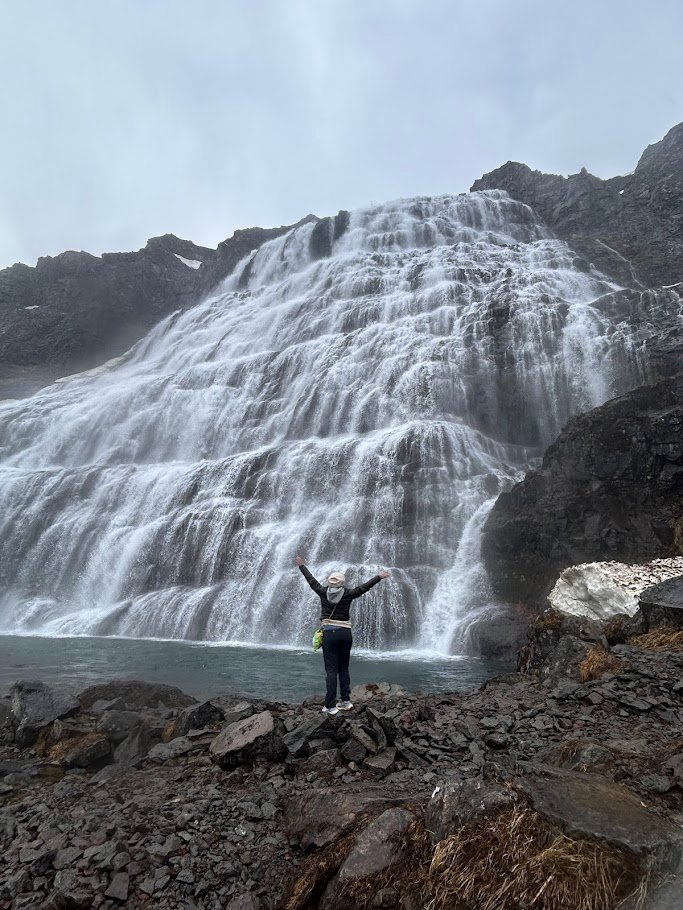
[(74, 311), (630, 227), (609, 488), (662, 604), (34, 706)]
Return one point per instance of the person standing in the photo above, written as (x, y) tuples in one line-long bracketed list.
[(335, 603)]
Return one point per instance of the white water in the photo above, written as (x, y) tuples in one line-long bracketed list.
[(362, 410)]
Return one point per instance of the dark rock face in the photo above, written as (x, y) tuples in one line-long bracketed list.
[(610, 487), (35, 705), (662, 604), (638, 217), (74, 311)]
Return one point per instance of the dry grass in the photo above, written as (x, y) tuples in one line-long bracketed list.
[(516, 860), (597, 662), (511, 861), (316, 870), (666, 638)]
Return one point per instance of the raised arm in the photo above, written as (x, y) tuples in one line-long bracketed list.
[(313, 582), (365, 587)]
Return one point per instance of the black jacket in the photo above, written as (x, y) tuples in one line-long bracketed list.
[(341, 609)]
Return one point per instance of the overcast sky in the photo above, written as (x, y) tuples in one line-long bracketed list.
[(124, 119)]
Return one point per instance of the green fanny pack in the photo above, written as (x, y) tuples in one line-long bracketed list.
[(317, 639)]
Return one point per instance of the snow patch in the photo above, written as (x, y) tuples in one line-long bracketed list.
[(602, 589), (190, 263), (36, 307)]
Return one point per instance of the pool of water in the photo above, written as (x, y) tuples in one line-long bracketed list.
[(204, 669)]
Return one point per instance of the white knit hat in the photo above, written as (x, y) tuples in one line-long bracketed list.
[(336, 580)]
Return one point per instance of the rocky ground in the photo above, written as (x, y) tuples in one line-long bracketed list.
[(135, 795)]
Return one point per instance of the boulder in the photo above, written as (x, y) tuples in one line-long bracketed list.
[(117, 725), (195, 717), (166, 751), (376, 848), (557, 643), (318, 817), (573, 509), (89, 751), (455, 803), (590, 805), (383, 761), (136, 694), (662, 604), (131, 751), (256, 737), (298, 740), (35, 705)]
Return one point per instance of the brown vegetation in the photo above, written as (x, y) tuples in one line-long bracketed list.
[(666, 638), (510, 860), (597, 662), (550, 620), (516, 859)]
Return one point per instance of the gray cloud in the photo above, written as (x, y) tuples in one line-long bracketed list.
[(128, 118)]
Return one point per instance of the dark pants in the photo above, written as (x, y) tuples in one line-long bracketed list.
[(337, 652)]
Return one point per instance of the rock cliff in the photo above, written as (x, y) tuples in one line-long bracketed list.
[(609, 488), (630, 227), (74, 311)]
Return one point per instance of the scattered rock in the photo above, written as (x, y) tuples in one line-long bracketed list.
[(256, 737)]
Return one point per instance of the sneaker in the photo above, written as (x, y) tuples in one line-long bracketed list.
[(344, 705), (334, 710)]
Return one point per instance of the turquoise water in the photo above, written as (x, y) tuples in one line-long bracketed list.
[(203, 670)]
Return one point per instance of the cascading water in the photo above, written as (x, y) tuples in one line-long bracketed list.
[(358, 392)]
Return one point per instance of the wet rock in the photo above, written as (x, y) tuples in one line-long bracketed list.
[(131, 751), (589, 805), (117, 725), (196, 717), (571, 511), (137, 694), (376, 847), (34, 706), (455, 803), (325, 760), (299, 739), (353, 750), (317, 817), (383, 761), (256, 737), (8, 826), (166, 751), (662, 604), (579, 755), (89, 751)]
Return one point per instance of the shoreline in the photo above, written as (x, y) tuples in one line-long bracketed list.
[(140, 796)]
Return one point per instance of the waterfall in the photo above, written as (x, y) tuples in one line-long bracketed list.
[(358, 392)]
